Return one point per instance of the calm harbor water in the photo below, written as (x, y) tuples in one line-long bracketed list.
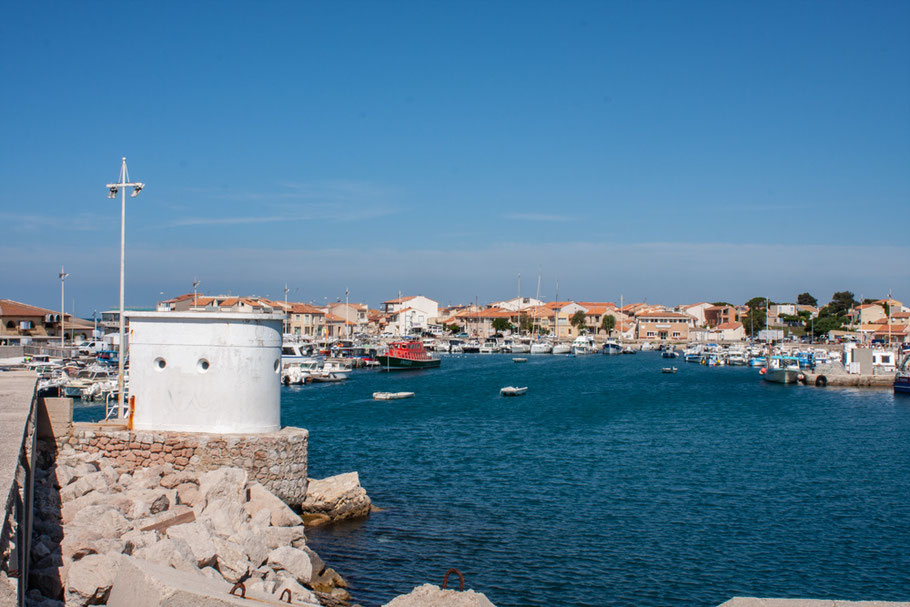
[(610, 483)]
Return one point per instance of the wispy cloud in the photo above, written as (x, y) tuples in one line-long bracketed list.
[(338, 201), (72, 223), (537, 217)]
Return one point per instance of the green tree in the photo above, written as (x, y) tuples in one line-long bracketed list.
[(607, 323), (758, 303), (501, 324), (805, 299), (823, 324), (722, 303), (577, 320), (841, 303), (453, 328), (754, 320), (525, 323)]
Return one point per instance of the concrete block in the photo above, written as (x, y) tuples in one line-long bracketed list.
[(144, 584), (55, 417)]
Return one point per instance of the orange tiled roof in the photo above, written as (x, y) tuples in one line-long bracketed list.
[(8, 307), (729, 325), (400, 299)]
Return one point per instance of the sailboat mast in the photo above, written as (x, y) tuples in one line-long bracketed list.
[(620, 321)]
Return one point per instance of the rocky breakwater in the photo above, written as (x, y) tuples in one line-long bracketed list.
[(92, 521)]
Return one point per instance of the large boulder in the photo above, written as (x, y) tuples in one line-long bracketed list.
[(295, 562), (333, 499), (89, 579), (224, 484), (261, 498), (174, 553), (225, 516), (433, 596), (231, 560), (275, 537), (198, 537), (144, 584)]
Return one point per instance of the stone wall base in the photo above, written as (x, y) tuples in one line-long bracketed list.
[(277, 460)]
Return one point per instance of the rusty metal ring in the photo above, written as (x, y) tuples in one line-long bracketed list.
[(445, 580), (286, 591), (241, 587)]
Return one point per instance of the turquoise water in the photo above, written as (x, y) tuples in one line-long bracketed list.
[(610, 483)]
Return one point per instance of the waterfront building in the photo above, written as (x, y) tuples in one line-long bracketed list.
[(413, 312), (517, 304), (697, 311), (669, 326), (306, 320), (731, 331), (719, 315), (22, 323), (864, 314)]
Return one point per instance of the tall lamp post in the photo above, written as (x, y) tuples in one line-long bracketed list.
[(63, 276), (113, 189)]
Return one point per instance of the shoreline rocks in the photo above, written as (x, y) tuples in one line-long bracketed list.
[(219, 526)]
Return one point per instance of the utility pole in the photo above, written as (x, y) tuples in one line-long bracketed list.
[(113, 189), (286, 315), (63, 276)]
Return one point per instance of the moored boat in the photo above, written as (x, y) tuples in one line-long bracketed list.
[(902, 379), (406, 355), (611, 347), (562, 349), (541, 347), (583, 344), (392, 395), (781, 370)]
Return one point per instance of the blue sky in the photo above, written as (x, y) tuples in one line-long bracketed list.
[(668, 151)]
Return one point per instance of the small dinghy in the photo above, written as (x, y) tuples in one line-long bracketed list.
[(519, 360), (391, 395), (668, 370), (512, 391)]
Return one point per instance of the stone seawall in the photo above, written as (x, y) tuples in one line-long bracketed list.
[(17, 455), (277, 460)]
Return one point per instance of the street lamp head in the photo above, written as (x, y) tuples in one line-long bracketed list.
[(136, 189), (112, 192)]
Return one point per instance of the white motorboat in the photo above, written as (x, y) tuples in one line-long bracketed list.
[(562, 349), (299, 371), (781, 370), (522, 346), (489, 347), (611, 347), (668, 370), (542, 347), (583, 344), (392, 395), (513, 391), (736, 357), (519, 360)]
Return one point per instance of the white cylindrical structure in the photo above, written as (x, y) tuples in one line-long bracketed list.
[(212, 372)]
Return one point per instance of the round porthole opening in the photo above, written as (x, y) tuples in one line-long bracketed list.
[(203, 365), (160, 363)]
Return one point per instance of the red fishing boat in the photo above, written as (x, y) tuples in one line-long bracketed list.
[(406, 355)]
